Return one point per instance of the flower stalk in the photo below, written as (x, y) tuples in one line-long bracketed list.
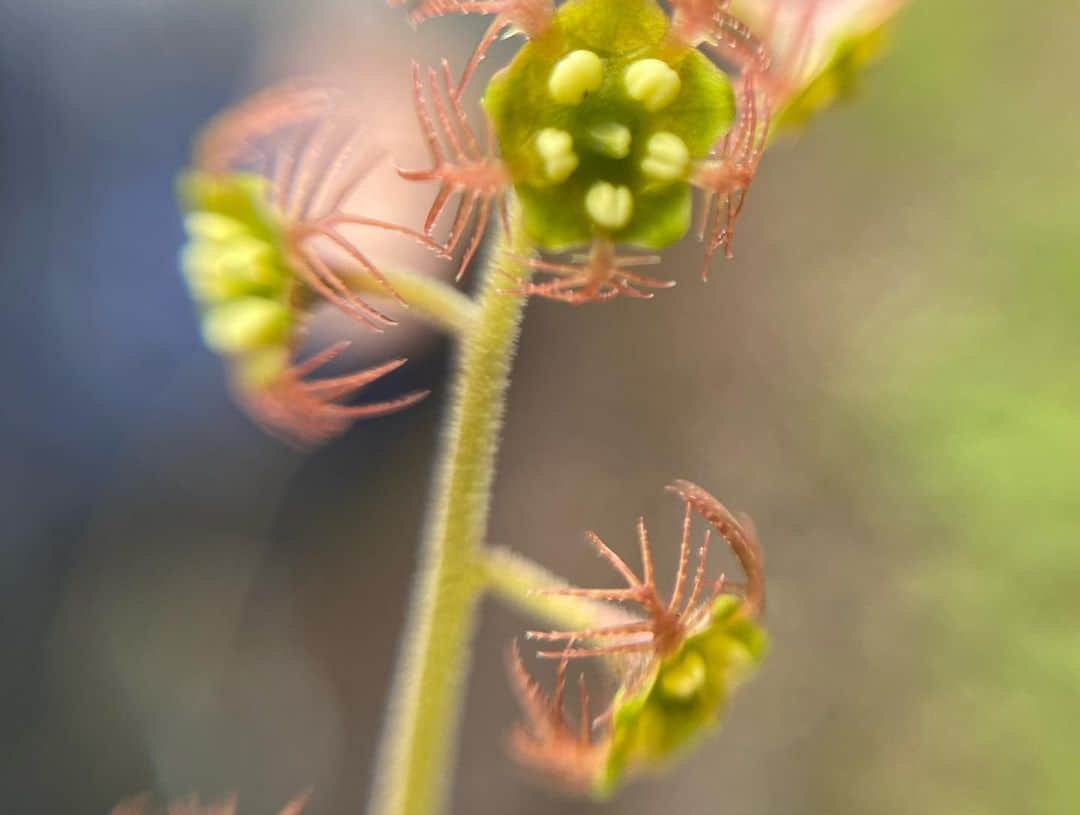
[(428, 298), (413, 768), (528, 586)]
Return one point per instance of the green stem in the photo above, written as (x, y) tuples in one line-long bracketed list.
[(526, 585), (428, 297), (414, 763)]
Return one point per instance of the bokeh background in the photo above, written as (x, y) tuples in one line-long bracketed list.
[(886, 378)]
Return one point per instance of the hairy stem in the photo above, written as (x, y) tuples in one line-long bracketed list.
[(414, 763), (428, 297)]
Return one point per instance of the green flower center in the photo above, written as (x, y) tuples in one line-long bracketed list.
[(599, 122)]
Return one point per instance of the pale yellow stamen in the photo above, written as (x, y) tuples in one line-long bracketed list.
[(611, 139), (245, 325), (556, 149), (610, 207), (575, 76), (211, 226), (652, 82), (683, 680), (666, 158)]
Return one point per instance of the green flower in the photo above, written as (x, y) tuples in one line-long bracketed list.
[(600, 120), (237, 273), (684, 695), (254, 283), (680, 663)]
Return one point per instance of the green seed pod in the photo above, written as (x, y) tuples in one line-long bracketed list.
[(598, 120)]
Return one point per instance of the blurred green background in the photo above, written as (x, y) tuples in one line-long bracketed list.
[(886, 378), (971, 394)]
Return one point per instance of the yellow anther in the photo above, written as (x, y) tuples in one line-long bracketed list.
[(652, 82), (610, 207), (219, 270), (556, 149), (210, 226), (575, 76), (245, 325), (611, 139), (685, 678), (666, 158)]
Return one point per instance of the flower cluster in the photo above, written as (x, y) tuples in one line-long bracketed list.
[(601, 129), (677, 662), (600, 132)]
